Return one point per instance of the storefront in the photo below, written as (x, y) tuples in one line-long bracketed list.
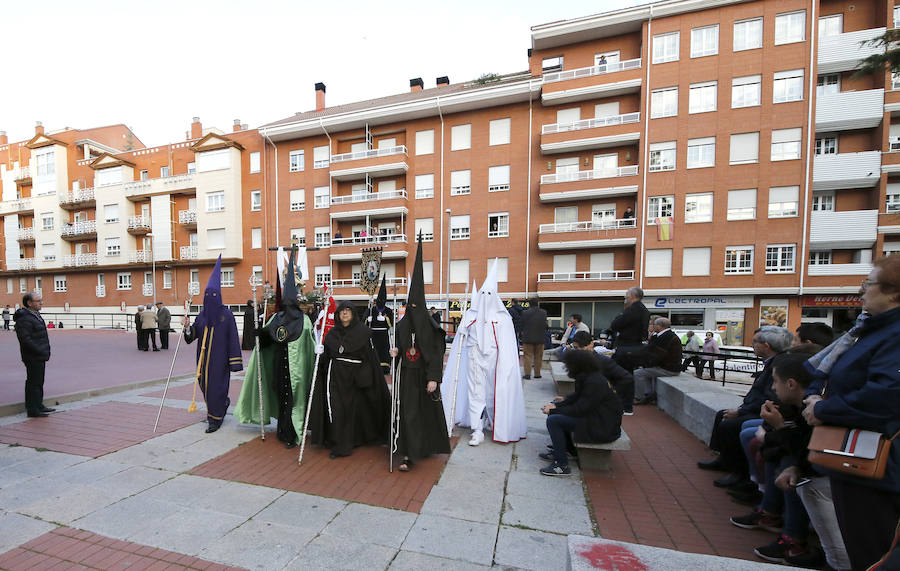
[(721, 313), (837, 311)]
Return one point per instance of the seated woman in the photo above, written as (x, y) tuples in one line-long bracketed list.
[(592, 413)]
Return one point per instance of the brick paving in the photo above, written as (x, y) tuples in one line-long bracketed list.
[(66, 548), (363, 477), (184, 392), (97, 429), (655, 494)]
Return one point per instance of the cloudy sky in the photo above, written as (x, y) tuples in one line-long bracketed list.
[(155, 64)]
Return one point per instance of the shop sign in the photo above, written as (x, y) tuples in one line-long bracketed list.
[(699, 301), (846, 300)]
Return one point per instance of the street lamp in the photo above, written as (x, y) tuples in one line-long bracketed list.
[(449, 232)]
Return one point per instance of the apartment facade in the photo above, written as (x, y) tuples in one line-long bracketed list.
[(759, 171)]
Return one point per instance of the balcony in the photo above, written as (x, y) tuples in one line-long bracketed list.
[(21, 174), (849, 110), (846, 170), (613, 275), (578, 235), (389, 161), (850, 230), (354, 282), (596, 133), (25, 264), (188, 218), (369, 240), (80, 260), (180, 183), (188, 253), (140, 256), (581, 185), (591, 82), (25, 235), (17, 206), (839, 269), (844, 52), (370, 197), (81, 230), (382, 204), (138, 225), (77, 199)]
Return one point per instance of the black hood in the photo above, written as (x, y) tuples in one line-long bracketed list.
[(287, 325), (381, 298), (417, 318)]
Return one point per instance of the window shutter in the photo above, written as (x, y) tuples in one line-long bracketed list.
[(659, 263), (786, 135), (745, 198), (425, 142), (784, 194), (568, 115), (460, 178), (425, 225), (498, 175), (459, 271), (499, 134), (564, 264), (744, 148), (746, 80), (695, 262), (666, 146)]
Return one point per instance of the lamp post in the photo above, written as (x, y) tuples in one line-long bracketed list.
[(449, 232), (153, 263)]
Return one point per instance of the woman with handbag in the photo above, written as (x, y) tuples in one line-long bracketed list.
[(857, 386)]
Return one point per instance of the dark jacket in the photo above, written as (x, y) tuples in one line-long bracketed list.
[(760, 392), (863, 390), (789, 441), (664, 350), (534, 324), (596, 407), (163, 318), (630, 326), (616, 374), (515, 312), (34, 344)]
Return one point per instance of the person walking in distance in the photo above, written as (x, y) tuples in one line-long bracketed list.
[(6, 317), (34, 346), (137, 327), (148, 328), (163, 321)]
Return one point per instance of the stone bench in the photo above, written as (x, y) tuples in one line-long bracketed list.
[(693, 403), (599, 456), (564, 384)]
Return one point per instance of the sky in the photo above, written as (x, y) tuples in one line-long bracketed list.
[(154, 65)]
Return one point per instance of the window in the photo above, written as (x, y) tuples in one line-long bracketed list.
[(826, 146), (739, 259), (498, 225), (49, 252), (698, 207), (425, 226), (254, 163), (322, 197), (256, 238), (460, 137), (498, 178), (460, 182), (428, 272), (323, 237), (551, 64), (565, 215), (227, 277), (831, 25), (215, 201), (255, 200), (323, 275), (783, 201), (459, 271), (823, 201), (111, 213), (705, 41), (820, 258), (45, 164), (892, 203), (664, 102), (788, 86), (665, 47), (499, 132), (569, 116), (145, 175), (9, 285), (702, 97), (47, 221), (502, 268), (745, 91), (321, 157), (213, 160), (195, 275), (744, 149), (215, 239), (659, 263), (659, 207), (425, 142), (662, 156), (695, 261), (123, 280), (748, 34), (742, 204), (191, 168), (786, 144), (298, 200), (780, 259), (297, 160), (167, 279), (828, 84), (113, 246), (108, 176), (790, 27), (163, 172), (603, 214), (701, 153), (459, 227), (299, 234), (23, 285), (424, 186)]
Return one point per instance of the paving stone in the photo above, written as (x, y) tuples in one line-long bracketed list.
[(452, 538), (26, 492), (133, 480), (534, 485), (371, 524), (47, 463), (126, 518), (259, 545), (488, 454), (17, 529), (90, 471), (531, 464), (10, 455), (329, 552), (528, 549), (187, 531), (185, 490), (10, 476), (412, 561), (301, 510), (491, 477), (546, 515), (240, 499), (465, 499), (69, 503)]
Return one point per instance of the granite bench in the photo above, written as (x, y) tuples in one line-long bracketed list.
[(693, 403), (593, 456), (564, 384)]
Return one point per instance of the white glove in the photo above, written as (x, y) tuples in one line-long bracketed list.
[(320, 349)]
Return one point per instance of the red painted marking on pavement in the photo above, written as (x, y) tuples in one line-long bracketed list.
[(612, 557)]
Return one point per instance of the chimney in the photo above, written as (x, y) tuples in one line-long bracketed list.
[(196, 128), (320, 96), (529, 52), (237, 125), (244, 127), (38, 129), (443, 80), (3, 139), (416, 84)]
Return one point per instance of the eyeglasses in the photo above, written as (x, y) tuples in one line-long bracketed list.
[(866, 283)]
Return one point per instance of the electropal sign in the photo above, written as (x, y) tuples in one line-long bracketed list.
[(699, 301)]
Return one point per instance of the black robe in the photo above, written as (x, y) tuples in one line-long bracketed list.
[(380, 322), (422, 426), (248, 340), (356, 393)]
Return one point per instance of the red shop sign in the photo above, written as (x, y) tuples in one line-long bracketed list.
[(847, 300)]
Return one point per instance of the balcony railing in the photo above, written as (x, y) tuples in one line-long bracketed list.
[(591, 123), (188, 253), (851, 229), (401, 282), (22, 173), (846, 51), (615, 275), (138, 222), (377, 239), (76, 196), (611, 224), (17, 205), (187, 216), (100, 290), (573, 176), (147, 289), (26, 234), (369, 196), (846, 170), (592, 70), (80, 260), (368, 154), (26, 263), (140, 256), (839, 269), (79, 228)]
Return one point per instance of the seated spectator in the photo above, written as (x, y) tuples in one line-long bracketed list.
[(660, 358), (592, 413), (814, 333), (575, 325), (691, 347), (710, 350), (621, 380)]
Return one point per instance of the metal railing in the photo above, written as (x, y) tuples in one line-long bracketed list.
[(369, 196), (76, 196), (611, 224), (135, 222), (80, 260), (79, 228), (21, 173), (401, 282), (26, 263), (592, 70), (376, 239), (743, 361), (187, 216), (615, 275), (16, 205), (26, 234), (188, 253), (140, 256), (591, 123), (369, 153), (425, 193), (573, 176)]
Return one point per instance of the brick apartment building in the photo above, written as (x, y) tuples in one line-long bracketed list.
[(758, 168)]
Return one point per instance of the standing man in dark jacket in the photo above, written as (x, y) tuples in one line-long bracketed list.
[(137, 327), (163, 321), (662, 357), (515, 311), (630, 327), (621, 380), (533, 326), (34, 346)]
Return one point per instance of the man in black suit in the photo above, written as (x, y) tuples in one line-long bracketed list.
[(34, 346), (662, 358), (630, 328)]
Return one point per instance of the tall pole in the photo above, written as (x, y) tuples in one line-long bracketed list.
[(153, 263), (449, 237)]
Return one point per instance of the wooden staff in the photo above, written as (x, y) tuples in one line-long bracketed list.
[(169, 378), (394, 385), (463, 308), (262, 421)]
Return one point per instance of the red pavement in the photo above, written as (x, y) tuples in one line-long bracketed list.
[(67, 548), (655, 494)]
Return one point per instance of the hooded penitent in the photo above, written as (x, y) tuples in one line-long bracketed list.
[(454, 388), (219, 351), (380, 318)]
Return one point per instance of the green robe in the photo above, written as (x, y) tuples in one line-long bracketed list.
[(301, 356)]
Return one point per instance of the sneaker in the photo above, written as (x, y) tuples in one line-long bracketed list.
[(477, 438), (547, 456), (628, 412), (557, 469), (759, 520), (782, 547)]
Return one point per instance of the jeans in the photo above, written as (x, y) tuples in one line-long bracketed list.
[(796, 522), (695, 361), (748, 431), (558, 425), (816, 497)]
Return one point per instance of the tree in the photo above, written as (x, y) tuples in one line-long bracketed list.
[(887, 59), (487, 78)]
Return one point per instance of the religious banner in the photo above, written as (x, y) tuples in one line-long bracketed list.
[(371, 270)]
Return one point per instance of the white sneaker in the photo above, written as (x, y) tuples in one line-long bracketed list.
[(477, 438)]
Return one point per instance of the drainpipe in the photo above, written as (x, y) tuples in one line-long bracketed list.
[(444, 235), (810, 131), (265, 258), (528, 193), (643, 193), (324, 130)]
